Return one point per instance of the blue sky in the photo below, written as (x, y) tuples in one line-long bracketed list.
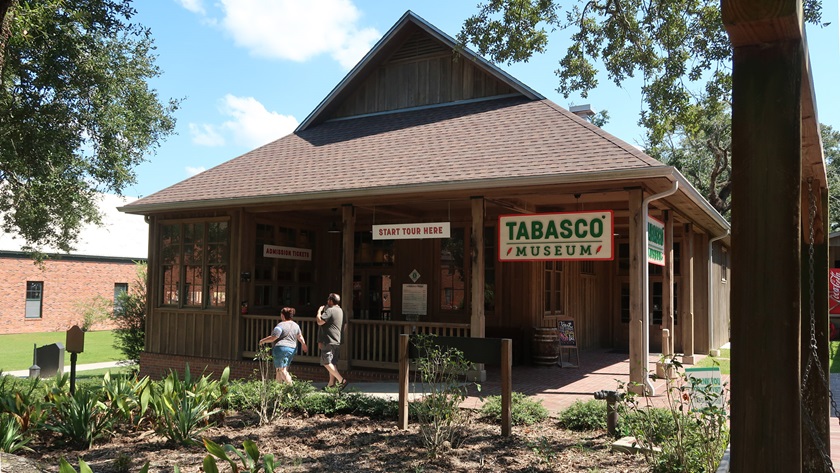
[(249, 71)]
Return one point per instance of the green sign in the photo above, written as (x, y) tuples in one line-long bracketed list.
[(656, 241), (564, 236), (708, 388)]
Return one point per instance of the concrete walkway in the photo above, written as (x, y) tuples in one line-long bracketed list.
[(85, 367)]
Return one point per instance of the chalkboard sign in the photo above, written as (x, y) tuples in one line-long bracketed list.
[(566, 332)]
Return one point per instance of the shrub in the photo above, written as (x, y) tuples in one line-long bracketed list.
[(442, 372), (523, 410), (127, 397), (80, 419), (130, 317), (250, 457), (371, 406), (183, 409), (692, 432), (585, 415), (11, 437)]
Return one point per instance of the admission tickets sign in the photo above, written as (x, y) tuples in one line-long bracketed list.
[(561, 236)]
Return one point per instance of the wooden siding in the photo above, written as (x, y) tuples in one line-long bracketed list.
[(416, 82), (193, 333)]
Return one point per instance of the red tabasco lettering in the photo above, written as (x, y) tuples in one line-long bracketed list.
[(834, 291)]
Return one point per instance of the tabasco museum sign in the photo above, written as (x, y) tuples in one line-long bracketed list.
[(287, 252), (656, 241), (411, 231), (557, 236)]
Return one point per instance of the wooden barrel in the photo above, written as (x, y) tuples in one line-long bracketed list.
[(546, 349)]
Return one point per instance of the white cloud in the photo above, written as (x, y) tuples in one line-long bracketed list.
[(195, 6), (206, 135), (250, 124), (191, 171), (296, 30)]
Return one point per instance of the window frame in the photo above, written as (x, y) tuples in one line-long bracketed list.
[(183, 260), (28, 300)]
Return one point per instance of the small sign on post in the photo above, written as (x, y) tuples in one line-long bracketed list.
[(75, 344), (568, 342), (708, 383)]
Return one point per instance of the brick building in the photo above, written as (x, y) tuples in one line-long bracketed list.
[(53, 297)]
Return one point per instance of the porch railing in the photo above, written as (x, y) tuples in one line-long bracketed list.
[(373, 343)]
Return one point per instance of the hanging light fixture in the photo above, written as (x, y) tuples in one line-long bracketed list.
[(334, 226)]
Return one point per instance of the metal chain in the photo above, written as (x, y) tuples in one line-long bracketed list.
[(813, 355)]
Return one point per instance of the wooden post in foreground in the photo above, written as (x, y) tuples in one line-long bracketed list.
[(766, 176), (507, 385), (403, 382)]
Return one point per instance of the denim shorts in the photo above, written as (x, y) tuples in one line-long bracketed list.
[(282, 356)]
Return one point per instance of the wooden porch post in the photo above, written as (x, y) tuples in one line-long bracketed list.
[(668, 283), (766, 177), (477, 268), (348, 230), (688, 290), (638, 366), (477, 276)]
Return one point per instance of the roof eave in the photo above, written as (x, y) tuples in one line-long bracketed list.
[(668, 172)]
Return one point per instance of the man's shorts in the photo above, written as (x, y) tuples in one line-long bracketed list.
[(329, 354), (282, 356)]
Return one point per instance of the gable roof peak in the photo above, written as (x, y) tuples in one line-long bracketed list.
[(408, 24)]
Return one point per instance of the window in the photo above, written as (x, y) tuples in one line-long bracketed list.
[(119, 288), (34, 299), (554, 295), (280, 282), (656, 303), (724, 264), (194, 264), (452, 290)]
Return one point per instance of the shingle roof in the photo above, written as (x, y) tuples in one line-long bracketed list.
[(512, 137)]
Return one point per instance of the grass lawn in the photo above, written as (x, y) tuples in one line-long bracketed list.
[(834, 357), (722, 361), (17, 348)]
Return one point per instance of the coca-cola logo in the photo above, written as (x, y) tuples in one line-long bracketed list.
[(834, 281)]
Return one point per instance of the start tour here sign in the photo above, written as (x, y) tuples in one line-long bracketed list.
[(562, 236), (656, 241)]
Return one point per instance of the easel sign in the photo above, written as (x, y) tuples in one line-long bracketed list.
[(568, 342)]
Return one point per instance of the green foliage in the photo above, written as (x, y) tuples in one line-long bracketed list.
[(94, 310), (12, 438), (22, 400), (442, 373), (76, 113), (182, 409), (585, 415), (328, 404), (249, 456), (831, 148), (79, 419), (65, 467), (692, 432), (371, 406), (834, 357), (130, 317), (127, 397), (679, 48), (523, 410)]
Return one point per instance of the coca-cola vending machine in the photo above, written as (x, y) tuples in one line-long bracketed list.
[(834, 302)]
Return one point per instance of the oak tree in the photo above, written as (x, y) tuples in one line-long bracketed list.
[(678, 48), (77, 114)]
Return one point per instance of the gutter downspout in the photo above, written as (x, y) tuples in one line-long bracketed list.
[(649, 389), (712, 350)]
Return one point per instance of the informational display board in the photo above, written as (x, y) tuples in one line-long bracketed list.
[(656, 241), (415, 299), (566, 332), (709, 380)]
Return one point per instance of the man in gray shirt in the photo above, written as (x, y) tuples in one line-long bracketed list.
[(330, 319)]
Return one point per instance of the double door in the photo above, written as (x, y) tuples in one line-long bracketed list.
[(372, 295)]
